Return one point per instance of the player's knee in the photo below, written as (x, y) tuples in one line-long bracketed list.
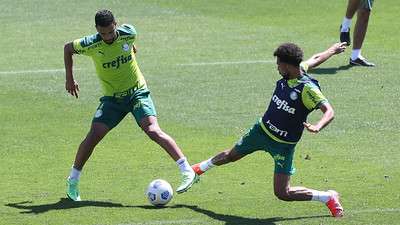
[(153, 133), (363, 15), (95, 135), (228, 156), (283, 195)]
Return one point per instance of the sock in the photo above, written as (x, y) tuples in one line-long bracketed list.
[(75, 174), (183, 164), (322, 196), (206, 165), (345, 25), (356, 53)]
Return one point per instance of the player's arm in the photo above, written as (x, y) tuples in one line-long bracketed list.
[(321, 57), (326, 118), (70, 84)]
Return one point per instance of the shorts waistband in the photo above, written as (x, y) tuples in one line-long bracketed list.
[(125, 93)]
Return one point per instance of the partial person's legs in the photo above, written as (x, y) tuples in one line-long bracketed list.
[(285, 192), (150, 126), (360, 31), (352, 7), (95, 135)]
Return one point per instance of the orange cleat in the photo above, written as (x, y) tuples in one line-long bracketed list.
[(334, 205), (197, 170)]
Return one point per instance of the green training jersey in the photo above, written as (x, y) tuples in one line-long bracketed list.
[(311, 95), (115, 63), (290, 105)]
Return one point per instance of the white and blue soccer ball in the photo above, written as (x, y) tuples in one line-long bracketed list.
[(159, 192)]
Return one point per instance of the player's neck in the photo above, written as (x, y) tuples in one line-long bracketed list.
[(294, 74)]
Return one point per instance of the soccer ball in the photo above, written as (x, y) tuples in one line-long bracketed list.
[(159, 192)]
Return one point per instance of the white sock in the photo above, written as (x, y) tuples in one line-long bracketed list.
[(322, 196), (356, 53), (183, 164), (345, 24), (206, 165), (75, 174)]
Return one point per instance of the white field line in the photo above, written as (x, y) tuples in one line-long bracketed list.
[(182, 64), (34, 71), (225, 63)]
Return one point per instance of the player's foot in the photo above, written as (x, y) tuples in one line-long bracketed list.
[(345, 36), (72, 189), (197, 170), (334, 205), (361, 62), (188, 179)]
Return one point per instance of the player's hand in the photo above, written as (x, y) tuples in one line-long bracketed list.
[(72, 87), (338, 48), (134, 49), (311, 128)]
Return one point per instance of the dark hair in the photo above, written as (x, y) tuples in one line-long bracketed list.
[(289, 53), (104, 18)]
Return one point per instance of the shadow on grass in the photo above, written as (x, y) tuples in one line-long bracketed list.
[(65, 203), (234, 220), (329, 70)]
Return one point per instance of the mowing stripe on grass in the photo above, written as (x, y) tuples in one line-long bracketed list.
[(225, 63), (159, 222), (372, 210)]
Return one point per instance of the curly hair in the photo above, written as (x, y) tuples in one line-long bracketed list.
[(104, 18), (289, 53)]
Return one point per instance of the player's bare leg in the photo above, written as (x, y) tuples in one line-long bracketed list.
[(352, 7), (360, 30), (285, 192), (95, 135), (150, 126), (224, 157)]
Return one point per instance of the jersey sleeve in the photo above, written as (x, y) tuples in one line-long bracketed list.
[(86, 45), (304, 67), (127, 32), (312, 96)]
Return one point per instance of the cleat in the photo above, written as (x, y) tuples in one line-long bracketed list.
[(345, 36), (188, 179), (197, 170), (361, 62), (72, 190), (334, 205)]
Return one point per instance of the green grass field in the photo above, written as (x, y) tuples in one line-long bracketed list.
[(205, 107)]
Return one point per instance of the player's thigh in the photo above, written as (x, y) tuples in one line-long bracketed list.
[(142, 106), (283, 156), (253, 140), (97, 132), (110, 112)]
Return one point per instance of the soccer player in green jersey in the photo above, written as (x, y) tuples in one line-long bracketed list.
[(113, 51), (277, 132), (363, 9)]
